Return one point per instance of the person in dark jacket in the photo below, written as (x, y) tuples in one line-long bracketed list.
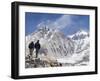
[(31, 48), (37, 47)]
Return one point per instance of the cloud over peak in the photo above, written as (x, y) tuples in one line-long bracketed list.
[(59, 23)]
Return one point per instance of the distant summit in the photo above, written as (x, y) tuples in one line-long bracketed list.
[(81, 34)]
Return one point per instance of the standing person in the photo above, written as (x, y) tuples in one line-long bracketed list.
[(31, 48), (37, 47)]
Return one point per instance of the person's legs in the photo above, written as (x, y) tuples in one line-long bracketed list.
[(36, 53), (31, 52)]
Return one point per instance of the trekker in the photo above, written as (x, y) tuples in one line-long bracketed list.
[(31, 48), (37, 47)]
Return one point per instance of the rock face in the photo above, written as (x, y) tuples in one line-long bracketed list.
[(58, 49)]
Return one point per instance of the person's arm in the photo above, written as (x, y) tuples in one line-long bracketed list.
[(40, 45), (29, 46)]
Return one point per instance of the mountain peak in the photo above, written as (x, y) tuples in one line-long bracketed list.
[(81, 34)]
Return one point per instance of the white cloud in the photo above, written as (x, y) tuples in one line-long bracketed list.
[(63, 21), (60, 23)]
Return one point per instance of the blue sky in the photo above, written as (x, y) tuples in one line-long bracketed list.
[(66, 23)]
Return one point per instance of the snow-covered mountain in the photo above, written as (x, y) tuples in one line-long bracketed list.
[(81, 39), (53, 42), (82, 48), (73, 49), (81, 34)]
